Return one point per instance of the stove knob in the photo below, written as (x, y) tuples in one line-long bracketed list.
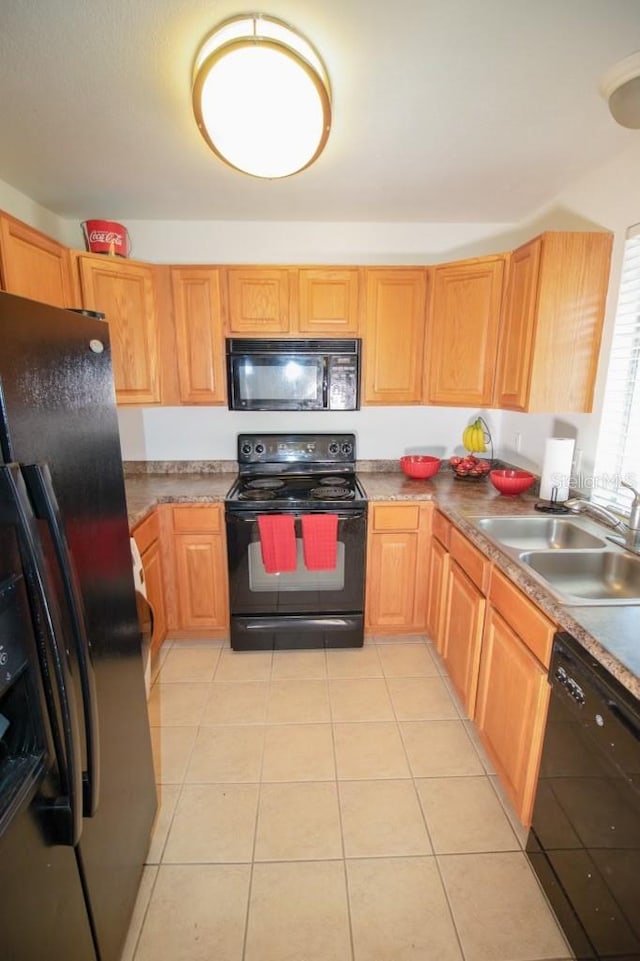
[(245, 449), (347, 449), (333, 447), (259, 448)]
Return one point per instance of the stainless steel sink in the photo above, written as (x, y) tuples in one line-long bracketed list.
[(600, 577), (539, 533)]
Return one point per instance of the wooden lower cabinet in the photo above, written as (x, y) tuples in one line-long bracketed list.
[(511, 711), (462, 635), (437, 580), (397, 567), (148, 539), (200, 568), (466, 589)]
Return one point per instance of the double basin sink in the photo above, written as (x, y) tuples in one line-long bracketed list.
[(571, 557)]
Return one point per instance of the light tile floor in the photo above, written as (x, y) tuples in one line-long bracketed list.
[(328, 806)]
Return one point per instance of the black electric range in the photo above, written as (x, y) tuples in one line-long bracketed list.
[(298, 605)]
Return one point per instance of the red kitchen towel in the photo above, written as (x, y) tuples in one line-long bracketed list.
[(319, 541), (277, 542)]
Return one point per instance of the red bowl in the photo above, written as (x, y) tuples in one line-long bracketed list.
[(420, 465), (510, 482)]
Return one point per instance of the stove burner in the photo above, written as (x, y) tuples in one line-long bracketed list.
[(331, 493), (259, 495), (334, 481), (265, 483)]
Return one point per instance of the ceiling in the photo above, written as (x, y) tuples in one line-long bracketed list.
[(443, 110)]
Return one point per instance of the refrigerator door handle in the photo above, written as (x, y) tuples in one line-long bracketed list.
[(6, 447), (67, 808), (43, 497)]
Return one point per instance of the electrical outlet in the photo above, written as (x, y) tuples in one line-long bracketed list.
[(517, 442)]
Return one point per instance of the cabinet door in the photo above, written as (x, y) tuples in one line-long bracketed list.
[(124, 291), (511, 711), (259, 300), (199, 334), (396, 592), (394, 336), (201, 581), (34, 265), (154, 582), (464, 621), (436, 592), (328, 301), (516, 336), (464, 319), (553, 318)]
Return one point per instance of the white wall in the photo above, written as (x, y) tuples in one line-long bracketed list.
[(209, 433), (19, 205)]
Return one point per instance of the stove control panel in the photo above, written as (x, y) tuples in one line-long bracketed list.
[(304, 449)]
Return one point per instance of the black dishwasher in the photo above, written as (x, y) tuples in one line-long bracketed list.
[(584, 842)]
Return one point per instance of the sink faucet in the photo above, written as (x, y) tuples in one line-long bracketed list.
[(631, 528)]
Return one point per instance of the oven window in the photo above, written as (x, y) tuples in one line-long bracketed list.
[(299, 580), (280, 380)]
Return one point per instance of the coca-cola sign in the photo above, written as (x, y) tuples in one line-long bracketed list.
[(106, 237)]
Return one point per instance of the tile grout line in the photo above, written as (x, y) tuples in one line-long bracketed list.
[(245, 934), (342, 844)]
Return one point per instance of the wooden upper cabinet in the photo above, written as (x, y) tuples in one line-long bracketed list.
[(394, 335), (124, 291), (329, 301), (259, 300), (34, 265), (199, 334), (552, 323), (464, 318)]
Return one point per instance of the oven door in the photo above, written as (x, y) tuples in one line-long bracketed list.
[(277, 382), (253, 591)]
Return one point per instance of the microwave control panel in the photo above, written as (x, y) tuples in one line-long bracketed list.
[(343, 383)]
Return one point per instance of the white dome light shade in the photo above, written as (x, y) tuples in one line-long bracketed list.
[(620, 86), (261, 97)]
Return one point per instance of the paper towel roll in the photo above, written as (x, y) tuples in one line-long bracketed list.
[(556, 468)]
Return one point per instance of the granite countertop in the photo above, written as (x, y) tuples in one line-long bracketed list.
[(610, 634)]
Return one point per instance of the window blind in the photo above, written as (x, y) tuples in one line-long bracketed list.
[(618, 450)]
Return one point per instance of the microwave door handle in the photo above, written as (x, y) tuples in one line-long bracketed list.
[(43, 497), (67, 808), (325, 384)]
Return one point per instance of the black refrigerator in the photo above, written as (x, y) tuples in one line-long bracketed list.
[(77, 791)]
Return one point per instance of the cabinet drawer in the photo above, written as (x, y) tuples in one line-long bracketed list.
[(534, 629), (147, 531), (395, 517), (441, 528), (471, 560), (200, 519)]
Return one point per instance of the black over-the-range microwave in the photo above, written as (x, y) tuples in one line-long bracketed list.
[(265, 374)]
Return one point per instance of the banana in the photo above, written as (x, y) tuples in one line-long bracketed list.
[(473, 437), (467, 437)]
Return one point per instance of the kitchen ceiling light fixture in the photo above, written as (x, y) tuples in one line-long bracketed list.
[(620, 87), (261, 96)]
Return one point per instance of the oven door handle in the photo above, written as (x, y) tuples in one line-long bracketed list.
[(250, 517)]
